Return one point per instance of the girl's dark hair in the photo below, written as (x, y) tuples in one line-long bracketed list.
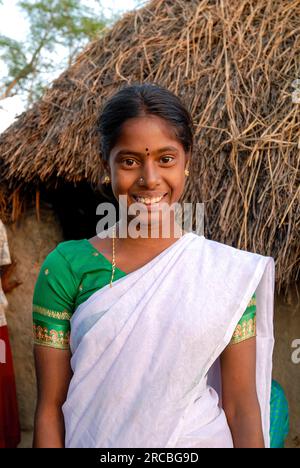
[(140, 100)]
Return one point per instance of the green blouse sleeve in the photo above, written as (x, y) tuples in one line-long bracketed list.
[(53, 302), (246, 328)]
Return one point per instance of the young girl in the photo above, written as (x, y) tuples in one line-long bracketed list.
[(144, 341)]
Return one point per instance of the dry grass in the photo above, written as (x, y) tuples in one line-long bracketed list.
[(233, 63)]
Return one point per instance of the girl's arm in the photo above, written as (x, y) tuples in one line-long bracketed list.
[(53, 371), (239, 396)]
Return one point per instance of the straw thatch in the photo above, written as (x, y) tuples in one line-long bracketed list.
[(234, 63)]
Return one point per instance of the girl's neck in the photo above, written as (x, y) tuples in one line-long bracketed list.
[(147, 238)]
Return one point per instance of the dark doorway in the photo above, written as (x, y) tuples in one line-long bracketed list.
[(75, 207)]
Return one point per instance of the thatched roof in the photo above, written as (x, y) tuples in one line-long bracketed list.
[(234, 63)]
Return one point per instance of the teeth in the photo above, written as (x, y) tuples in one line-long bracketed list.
[(148, 201)]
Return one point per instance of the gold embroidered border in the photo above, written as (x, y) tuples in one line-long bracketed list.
[(252, 302), (50, 345), (64, 315), (244, 331), (50, 337)]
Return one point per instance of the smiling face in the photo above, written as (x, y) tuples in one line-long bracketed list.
[(148, 148)]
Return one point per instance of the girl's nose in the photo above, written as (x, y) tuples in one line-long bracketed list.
[(150, 174)]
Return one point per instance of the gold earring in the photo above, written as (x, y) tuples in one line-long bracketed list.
[(187, 172), (106, 180)]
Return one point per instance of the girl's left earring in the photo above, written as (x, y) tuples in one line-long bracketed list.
[(106, 180)]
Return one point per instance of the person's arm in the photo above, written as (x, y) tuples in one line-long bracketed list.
[(239, 396), (53, 371), (53, 296), (8, 279)]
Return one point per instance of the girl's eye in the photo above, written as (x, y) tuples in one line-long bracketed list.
[(130, 162), (167, 157), (126, 160)]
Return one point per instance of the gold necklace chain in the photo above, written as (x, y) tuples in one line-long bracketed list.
[(113, 257)]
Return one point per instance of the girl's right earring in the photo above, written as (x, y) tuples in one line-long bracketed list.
[(187, 172)]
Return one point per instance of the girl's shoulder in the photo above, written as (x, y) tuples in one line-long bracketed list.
[(64, 260), (79, 257), (71, 248), (72, 252)]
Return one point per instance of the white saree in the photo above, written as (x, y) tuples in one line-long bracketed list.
[(145, 352)]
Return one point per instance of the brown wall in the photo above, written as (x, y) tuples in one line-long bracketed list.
[(287, 373), (29, 244)]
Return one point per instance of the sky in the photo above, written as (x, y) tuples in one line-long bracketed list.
[(10, 16)]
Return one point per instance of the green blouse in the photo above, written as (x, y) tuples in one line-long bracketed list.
[(70, 274)]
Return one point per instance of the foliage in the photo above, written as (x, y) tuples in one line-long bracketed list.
[(57, 28)]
